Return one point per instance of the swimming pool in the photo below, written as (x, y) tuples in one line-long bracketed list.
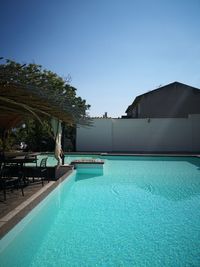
[(141, 211)]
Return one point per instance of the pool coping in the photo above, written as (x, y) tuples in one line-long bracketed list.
[(139, 154), (135, 153), (8, 221)]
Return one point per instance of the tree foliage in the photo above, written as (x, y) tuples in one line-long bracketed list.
[(35, 136), (57, 88)]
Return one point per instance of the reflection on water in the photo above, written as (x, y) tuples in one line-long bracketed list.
[(171, 192), (174, 178), (88, 173)]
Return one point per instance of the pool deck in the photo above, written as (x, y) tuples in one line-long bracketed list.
[(16, 207)]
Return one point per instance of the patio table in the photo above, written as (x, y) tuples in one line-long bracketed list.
[(19, 162)]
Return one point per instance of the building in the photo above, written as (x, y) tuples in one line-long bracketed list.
[(165, 120), (175, 100)]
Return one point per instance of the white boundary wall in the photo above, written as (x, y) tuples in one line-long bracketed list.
[(129, 135)]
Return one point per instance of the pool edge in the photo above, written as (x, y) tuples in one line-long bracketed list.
[(15, 216)]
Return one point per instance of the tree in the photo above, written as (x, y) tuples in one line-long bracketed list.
[(57, 89)]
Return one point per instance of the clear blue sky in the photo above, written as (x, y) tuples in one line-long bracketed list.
[(113, 50)]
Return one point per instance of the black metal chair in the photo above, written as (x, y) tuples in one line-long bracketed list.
[(44, 170), (8, 181), (41, 172)]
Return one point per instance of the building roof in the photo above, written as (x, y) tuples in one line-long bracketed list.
[(174, 84)]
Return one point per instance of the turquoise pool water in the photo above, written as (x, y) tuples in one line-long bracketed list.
[(141, 211)]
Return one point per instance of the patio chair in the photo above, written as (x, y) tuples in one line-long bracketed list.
[(8, 182), (44, 170), (41, 172)]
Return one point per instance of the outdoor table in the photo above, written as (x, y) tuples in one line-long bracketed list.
[(19, 161)]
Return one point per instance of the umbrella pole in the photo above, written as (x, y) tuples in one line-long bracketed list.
[(63, 143)]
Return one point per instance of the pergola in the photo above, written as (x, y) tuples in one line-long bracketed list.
[(20, 102)]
